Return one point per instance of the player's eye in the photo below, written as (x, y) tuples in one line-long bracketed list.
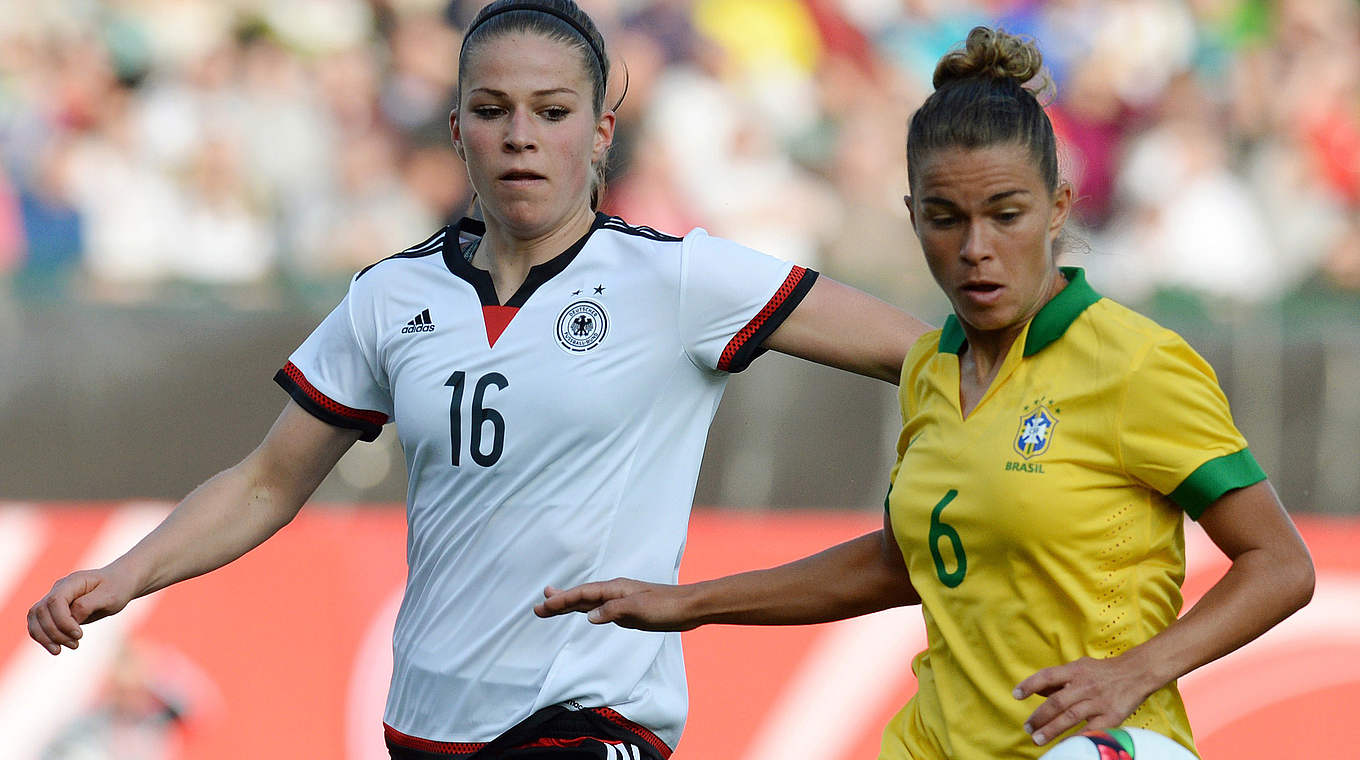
[(487, 112), (556, 113), (1007, 217)]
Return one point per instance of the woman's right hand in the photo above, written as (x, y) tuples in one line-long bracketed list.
[(856, 577), (230, 514), (624, 602), (81, 597)]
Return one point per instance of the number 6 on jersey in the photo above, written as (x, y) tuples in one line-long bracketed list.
[(939, 530), (480, 416)]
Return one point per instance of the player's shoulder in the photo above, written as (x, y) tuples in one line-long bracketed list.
[(643, 251), (1087, 320), (1123, 330), (408, 260), (1111, 315), (1121, 340), (697, 256), (638, 234)]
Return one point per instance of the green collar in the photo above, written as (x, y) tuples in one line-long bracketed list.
[(1047, 326)]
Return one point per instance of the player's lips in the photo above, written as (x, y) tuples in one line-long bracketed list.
[(521, 177), (982, 292)]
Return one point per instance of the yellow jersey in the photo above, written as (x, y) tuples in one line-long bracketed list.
[(1047, 525)]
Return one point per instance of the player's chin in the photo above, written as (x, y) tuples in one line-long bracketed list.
[(527, 216), (985, 318)]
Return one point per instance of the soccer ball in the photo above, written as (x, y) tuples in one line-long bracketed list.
[(1118, 744)]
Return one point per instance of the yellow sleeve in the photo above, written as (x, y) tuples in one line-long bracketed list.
[(1175, 431)]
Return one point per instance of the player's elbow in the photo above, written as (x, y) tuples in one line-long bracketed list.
[(1292, 574), (1303, 577), (270, 495)]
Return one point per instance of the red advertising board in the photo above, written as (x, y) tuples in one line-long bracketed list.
[(286, 653)]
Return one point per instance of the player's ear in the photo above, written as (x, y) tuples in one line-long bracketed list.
[(911, 210), (455, 134), (1062, 206), (604, 136)]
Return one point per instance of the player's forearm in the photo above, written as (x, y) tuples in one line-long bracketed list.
[(844, 581), (230, 514), (1259, 590)]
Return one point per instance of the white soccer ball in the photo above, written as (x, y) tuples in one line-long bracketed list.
[(1118, 744)]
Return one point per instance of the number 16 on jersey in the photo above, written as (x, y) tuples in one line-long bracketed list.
[(480, 416)]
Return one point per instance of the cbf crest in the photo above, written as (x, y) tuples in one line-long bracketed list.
[(1036, 429), (581, 326)]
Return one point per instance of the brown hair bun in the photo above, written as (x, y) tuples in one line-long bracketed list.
[(992, 54), (987, 92)]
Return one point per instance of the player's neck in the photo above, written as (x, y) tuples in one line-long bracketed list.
[(508, 257), (979, 364), (985, 350)]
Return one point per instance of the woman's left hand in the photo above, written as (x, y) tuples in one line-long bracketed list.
[(1101, 692)]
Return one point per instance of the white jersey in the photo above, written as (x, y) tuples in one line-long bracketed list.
[(555, 439)]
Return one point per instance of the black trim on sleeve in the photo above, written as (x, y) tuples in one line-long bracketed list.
[(368, 428), (748, 345)]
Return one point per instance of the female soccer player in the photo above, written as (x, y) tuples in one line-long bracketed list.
[(552, 373), (1052, 442)]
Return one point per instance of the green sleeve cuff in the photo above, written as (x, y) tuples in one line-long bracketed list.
[(1215, 478)]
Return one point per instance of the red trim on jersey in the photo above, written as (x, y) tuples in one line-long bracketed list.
[(330, 405), (456, 749), (425, 745), (777, 300), (631, 727), (497, 318), (578, 741)]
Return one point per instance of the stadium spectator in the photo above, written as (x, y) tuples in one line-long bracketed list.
[(1175, 177), (11, 225), (51, 234), (134, 717), (222, 237)]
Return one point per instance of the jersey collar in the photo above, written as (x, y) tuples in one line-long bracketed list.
[(1047, 326), (469, 229)]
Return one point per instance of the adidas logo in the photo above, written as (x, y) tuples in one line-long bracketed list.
[(422, 323)]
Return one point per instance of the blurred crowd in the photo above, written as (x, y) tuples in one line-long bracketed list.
[(264, 147)]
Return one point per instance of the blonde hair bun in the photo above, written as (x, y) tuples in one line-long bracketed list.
[(992, 54)]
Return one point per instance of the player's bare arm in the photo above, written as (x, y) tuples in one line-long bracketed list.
[(842, 327), (1270, 578), (230, 514), (860, 576)]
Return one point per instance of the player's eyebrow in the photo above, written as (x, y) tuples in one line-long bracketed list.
[(536, 93), (1001, 196)]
